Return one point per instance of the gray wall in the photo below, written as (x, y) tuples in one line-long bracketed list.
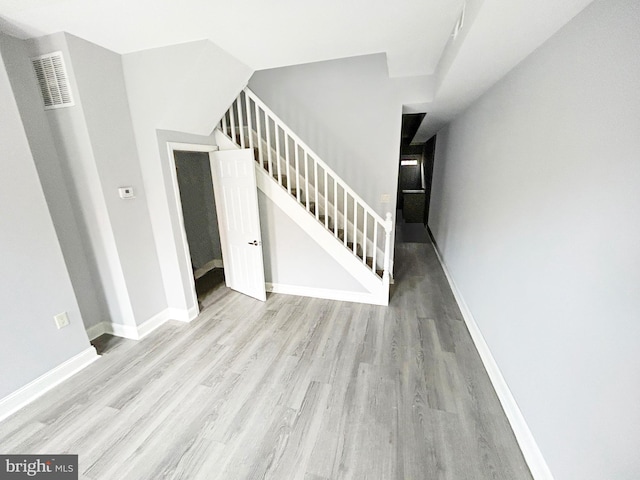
[(535, 208), (349, 112), (80, 264), (95, 143), (34, 285), (293, 258), (198, 207), (73, 145), (100, 79), (181, 88)]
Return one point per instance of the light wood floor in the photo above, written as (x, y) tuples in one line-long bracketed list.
[(293, 388)]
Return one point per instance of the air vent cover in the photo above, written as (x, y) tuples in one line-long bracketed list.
[(53, 80)]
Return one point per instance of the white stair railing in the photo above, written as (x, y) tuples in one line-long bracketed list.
[(249, 123)]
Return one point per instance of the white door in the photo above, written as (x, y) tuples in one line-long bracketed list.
[(234, 182)]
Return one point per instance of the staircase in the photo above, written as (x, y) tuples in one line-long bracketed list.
[(293, 175)]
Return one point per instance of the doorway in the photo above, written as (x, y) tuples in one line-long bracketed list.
[(231, 176), (415, 173), (193, 171)]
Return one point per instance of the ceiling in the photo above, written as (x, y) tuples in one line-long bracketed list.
[(497, 35), (414, 34), (262, 34)]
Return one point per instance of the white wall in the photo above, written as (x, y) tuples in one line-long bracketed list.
[(182, 88), (535, 208), (80, 264), (349, 112), (293, 258), (35, 284)]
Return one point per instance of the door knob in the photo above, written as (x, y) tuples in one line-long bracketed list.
[(254, 243)]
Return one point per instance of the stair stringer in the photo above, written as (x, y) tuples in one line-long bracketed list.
[(377, 290), (223, 141), (323, 238)]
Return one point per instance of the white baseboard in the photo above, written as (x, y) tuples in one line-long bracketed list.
[(528, 445), (129, 331), (182, 315), (193, 312), (119, 330), (207, 267), (340, 295), (31, 391), (154, 322), (96, 330)]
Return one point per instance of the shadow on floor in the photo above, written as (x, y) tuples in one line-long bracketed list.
[(410, 232), (106, 343), (209, 283), (411, 241)]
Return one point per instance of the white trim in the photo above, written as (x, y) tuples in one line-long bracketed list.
[(116, 329), (323, 237), (31, 391), (224, 141), (134, 333), (317, 157), (182, 315), (528, 445), (119, 330), (376, 289), (192, 147), (96, 330), (154, 322), (207, 267), (340, 295)]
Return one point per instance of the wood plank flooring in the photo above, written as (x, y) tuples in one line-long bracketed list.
[(293, 388)]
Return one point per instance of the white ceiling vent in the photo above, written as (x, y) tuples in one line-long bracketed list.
[(53, 80)]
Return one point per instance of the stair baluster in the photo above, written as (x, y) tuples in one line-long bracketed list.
[(247, 104), (276, 129), (316, 186), (288, 162), (297, 160), (387, 250), (358, 235), (240, 121)]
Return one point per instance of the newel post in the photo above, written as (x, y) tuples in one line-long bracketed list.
[(388, 225)]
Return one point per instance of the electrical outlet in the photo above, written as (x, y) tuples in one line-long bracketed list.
[(62, 320), (385, 198)]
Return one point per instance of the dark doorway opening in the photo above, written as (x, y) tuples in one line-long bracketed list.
[(193, 170), (415, 175)]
